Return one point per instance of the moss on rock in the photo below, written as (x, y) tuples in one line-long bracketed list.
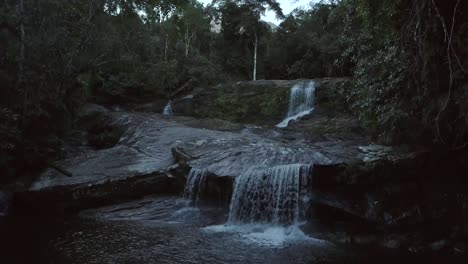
[(262, 102)]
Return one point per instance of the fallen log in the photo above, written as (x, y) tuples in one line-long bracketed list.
[(181, 88), (61, 170)]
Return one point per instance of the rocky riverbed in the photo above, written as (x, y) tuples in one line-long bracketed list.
[(357, 192)]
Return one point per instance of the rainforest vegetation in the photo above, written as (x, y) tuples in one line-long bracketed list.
[(407, 60)]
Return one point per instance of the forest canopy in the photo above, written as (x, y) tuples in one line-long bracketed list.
[(407, 60)]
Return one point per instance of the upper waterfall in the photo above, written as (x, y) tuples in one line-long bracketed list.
[(301, 102), (168, 109)]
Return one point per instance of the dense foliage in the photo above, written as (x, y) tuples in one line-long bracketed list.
[(408, 60)]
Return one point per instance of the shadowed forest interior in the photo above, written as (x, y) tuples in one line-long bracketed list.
[(360, 104)]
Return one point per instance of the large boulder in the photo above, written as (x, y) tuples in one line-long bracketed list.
[(136, 165), (184, 106), (328, 87), (402, 194)]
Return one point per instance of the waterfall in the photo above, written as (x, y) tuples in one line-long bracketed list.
[(267, 206), (270, 195), (168, 109), (195, 185), (301, 102)]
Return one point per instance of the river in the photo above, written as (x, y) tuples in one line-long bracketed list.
[(164, 229)]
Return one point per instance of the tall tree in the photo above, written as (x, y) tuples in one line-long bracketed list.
[(242, 27)]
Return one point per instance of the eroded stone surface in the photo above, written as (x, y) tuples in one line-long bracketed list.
[(137, 163), (231, 156), (149, 143)]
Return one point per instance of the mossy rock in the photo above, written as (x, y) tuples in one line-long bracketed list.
[(262, 102)]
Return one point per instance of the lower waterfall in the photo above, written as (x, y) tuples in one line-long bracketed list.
[(195, 185), (266, 206), (260, 195), (270, 195)]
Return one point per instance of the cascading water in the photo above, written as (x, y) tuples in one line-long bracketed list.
[(266, 205), (270, 195), (195, 185), (168, 109), (301, 102)]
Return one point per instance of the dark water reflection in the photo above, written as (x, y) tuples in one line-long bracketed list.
[(164, 230)]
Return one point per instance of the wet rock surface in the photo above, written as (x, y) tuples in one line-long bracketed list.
[(378, 190), (231, 156), (153, 153), (135, 153), (136, 165)]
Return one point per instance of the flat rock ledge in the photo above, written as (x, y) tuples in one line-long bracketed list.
[(154, 155)]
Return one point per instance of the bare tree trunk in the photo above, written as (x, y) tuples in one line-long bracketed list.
[(165, 48), (22, 34), (188, 39), (85, 37), (209, 55), (255, 58), (210, 46), (20, 15), (187, 43)]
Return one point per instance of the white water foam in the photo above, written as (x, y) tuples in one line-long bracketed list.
[(265, 235), (271, 195), (265, 206), (301, 102), (186, 214), (168, 109)]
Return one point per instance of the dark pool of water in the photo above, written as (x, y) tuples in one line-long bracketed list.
[(166, 230)]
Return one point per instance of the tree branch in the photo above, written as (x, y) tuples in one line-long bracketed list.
[(84, 38), (449, 45)]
